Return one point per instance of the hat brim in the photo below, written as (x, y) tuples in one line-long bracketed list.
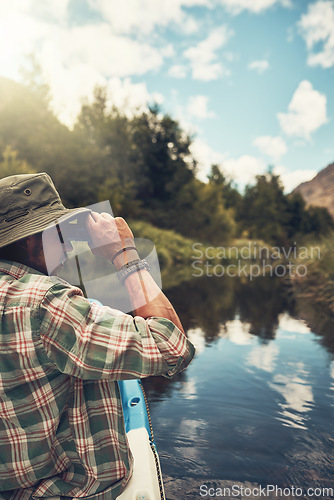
[(36, 222)]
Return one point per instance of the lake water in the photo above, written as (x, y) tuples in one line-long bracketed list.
[(255, 407)]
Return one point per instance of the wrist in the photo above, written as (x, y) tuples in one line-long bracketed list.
[(131, 268), (124, 256)]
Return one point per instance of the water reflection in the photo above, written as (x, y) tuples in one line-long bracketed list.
[(237, 332), (298, 396), (319, 321), (264, 357), (188, 389), (256, 404), (293, 325), (196, 336), (209, 303)]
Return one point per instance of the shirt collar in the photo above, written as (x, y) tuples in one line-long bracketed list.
[(16, 269)]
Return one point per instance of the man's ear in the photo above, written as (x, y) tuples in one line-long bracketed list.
[(23, 244), (28, 244)]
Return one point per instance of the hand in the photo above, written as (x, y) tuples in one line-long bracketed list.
[(109, 235)]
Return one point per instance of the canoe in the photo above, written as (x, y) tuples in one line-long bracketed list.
[(146, 480)]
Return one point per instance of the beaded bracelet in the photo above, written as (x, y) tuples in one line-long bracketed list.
[(130, 268)]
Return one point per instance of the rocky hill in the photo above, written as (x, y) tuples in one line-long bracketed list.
[(320, 190)]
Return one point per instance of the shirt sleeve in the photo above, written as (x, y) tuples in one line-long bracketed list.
[(89, 341)]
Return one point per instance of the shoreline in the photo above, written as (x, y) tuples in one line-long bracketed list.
[(308, 269)]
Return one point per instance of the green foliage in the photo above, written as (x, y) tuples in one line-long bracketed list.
[(143, 165), (146, 170), (33, 79), (231, 196), (267, 213), (147, 152), (317, 221), (161, 150), (10, 164), (30, 129), (175, 252), (121, 196), (317, 284), (200, 212), (263, 210), (172, 248)]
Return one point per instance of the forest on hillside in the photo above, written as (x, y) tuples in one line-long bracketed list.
[(143, 165)]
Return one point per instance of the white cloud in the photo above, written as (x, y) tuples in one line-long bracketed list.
[(142, 16), (66, 102), (292, 178), (198, 107), (49, 9), (205, 156), (256, 6), (244, 169), (306, 112), (317, 28), (133, 15), (203, 57), (73, 65), (260, 66), (177, 71), (189, 25), (19, 35), (131, 96), (13, 6), (121, 56), (74, 59), (274, 147)]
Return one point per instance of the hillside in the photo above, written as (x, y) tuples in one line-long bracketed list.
[(319, 191)]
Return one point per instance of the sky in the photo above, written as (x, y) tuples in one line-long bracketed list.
[(252, 81)]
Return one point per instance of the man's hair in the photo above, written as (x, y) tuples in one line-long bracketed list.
[(12, 251)]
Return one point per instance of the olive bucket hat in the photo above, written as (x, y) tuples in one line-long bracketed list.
[(30, 203)]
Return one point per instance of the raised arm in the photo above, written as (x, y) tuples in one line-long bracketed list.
[(110, 236)]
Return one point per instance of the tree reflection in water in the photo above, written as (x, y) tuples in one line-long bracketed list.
[(256, 405), (209, 303)]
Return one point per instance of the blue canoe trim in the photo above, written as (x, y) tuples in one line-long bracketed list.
[(134, 407)]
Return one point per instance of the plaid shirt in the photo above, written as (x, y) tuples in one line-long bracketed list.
[(61, 421)]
